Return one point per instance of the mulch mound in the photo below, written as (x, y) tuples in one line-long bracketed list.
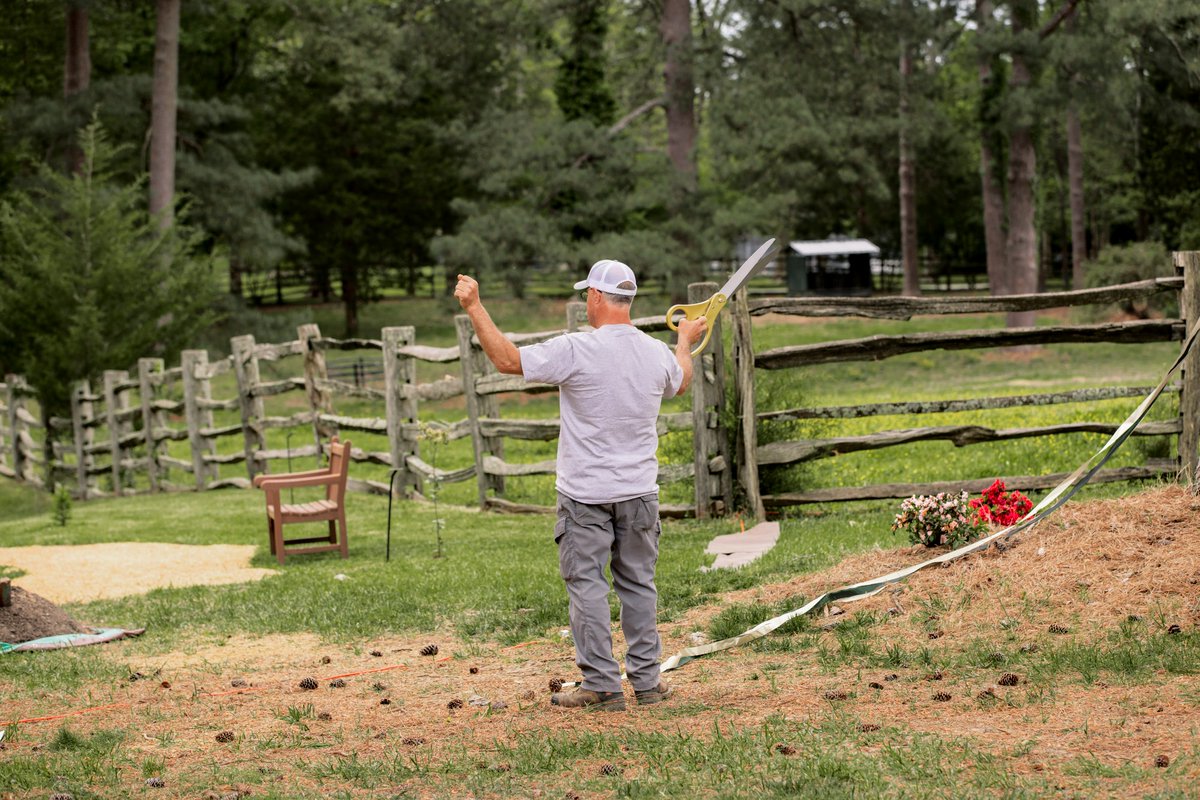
[(32, 616)]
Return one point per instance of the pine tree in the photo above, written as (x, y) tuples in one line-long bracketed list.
[(88, 281)]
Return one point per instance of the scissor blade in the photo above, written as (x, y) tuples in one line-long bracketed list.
[(750, 266)]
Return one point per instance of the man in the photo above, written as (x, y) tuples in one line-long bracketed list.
[(612, 381)]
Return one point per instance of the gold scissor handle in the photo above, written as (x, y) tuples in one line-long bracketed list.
[(705, 308)]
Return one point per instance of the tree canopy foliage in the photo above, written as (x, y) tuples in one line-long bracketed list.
[(358, 143)]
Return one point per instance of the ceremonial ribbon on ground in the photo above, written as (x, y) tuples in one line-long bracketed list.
[(1049, 504)]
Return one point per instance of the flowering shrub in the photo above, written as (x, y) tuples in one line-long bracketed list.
[(996, 507), (939, 519)]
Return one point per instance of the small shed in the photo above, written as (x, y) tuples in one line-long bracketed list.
[(830, 266)]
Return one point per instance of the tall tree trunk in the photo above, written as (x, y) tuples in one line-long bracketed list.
[(1075, 180), (993, 193), (1022, 242), (908, 183), (235, 275), (350, 297), (675, 26), (77, 70), (163, 105), (1078, 211), (676, 29)]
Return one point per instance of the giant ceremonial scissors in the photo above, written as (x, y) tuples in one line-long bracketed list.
[(712, 306)]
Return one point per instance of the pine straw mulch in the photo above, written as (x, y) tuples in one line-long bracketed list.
[(1088, 568)]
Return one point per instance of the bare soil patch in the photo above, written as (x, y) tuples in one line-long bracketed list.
[(83, 573)]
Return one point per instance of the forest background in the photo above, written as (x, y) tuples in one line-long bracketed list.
[(373, 146)]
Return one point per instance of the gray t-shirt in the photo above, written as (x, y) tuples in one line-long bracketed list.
[(611, 385)]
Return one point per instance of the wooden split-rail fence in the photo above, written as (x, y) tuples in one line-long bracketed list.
[(751, 458), (116, 440), (135, 410)]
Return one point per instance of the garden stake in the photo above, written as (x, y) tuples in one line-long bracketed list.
[(391, 493)]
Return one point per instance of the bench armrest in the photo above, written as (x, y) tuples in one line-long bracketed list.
[(259, 480), (298, 480)]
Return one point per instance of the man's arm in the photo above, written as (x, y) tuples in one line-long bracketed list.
[(503, 353), (690, 332)]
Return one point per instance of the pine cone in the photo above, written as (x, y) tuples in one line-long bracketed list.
[(835, 694), (893, 676), (238, 683), (225, 736), (610, 769), (412, 741), (936, 634), (866, 727), (337, 683), (474, 670), (308, 684), (155, 783), (1174, 629), (556, 684), (454, 704), (875, 685), (377, 654), (997, 657), (785, 749), (325, 716), (1162, 761), (986, 694), (429, 650), (385, 702), (942, 697), (1009, 679), (326, 659), (1056, 628), (62, 796)]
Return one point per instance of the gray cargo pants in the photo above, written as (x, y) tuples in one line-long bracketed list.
[(587, 536)]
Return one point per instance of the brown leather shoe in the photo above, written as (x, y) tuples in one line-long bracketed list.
[(655, 695), (586, 698)]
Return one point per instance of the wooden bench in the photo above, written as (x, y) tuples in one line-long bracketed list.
[(331, 510)]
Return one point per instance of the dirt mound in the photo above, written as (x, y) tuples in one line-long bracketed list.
[(32, 616), (1093, 563)]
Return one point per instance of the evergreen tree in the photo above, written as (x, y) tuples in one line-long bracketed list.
[(581, 87), (88, 281)]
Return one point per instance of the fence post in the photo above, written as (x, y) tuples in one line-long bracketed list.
[(245, 368), (82, 415), (708, 388), (746, 429), (400, 391), (1188, 265), (150, 372), (315, 374), (12, 401), (475, 363), (576, 314), (196, 389), (114, 401)]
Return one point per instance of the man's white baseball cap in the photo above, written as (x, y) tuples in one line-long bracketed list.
[(606, 275)]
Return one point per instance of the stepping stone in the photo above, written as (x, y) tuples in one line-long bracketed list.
[(739, 549)]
